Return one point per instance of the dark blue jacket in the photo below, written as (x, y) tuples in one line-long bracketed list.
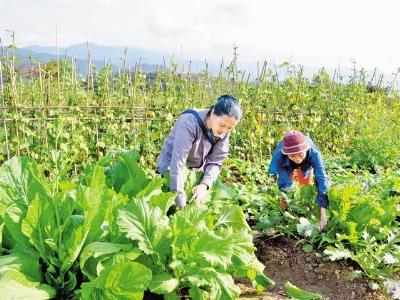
[(283, 167)]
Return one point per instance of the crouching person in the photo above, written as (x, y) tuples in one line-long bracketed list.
[(297, 158), (199, 140)]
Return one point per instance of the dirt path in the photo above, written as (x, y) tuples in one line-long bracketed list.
[(285, 261)]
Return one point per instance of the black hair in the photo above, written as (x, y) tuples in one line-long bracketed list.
[(227, 105)]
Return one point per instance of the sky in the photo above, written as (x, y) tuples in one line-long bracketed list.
[(313, 33)]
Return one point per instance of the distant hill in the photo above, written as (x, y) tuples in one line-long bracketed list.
[(148, 59), (99, 57), (114, 54), (151, 60)]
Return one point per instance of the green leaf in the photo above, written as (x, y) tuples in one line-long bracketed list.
[(96, 250), (70, 281), (1, 233), (308, 248), (125, 281), (192, 178), (228, 289), (220, 192), (262, 282), (197, 293), (243, 258), (13, 290), (233, 217), (149, 227), (337, 253), (13, 236), (297, 293), (16, 285), (215, 250), (128, 276), (20, 182), (126, 176), (190, 219), (154, 195), (163, 201), (153, 188), (74, 240), (40, 224), (93, 201), (163, 283), (116, 202), (66, 203), (245, 263), (194, 242), (220, 285), (97, 180), (114, 259), (24, 262)]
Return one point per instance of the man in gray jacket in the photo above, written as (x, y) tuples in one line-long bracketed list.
[(200, 140)]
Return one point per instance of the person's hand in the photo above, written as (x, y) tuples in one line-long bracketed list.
[(283, 203), (199, 192), (323, 219)]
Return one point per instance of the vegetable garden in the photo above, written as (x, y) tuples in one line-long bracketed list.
[(84, 216)]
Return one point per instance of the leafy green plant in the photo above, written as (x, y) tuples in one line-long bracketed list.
[(198, 248), (51, 221), (364, 226), (109, 234), (363, 214), (374, 145)]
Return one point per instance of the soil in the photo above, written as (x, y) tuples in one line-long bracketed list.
[(286, 261)]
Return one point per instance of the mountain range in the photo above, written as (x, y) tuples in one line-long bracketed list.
[(148, 60)]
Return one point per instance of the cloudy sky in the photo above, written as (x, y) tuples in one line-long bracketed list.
[(310, 32)]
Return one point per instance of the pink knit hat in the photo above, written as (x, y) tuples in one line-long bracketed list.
[(294, 142)]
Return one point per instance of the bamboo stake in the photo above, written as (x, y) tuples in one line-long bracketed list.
[(125, 59), (89, 75), (6, 140), (2, 95), (58, 65), (299, 83), (1, 48), (373, 76), (1, 81), (72, 71)]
